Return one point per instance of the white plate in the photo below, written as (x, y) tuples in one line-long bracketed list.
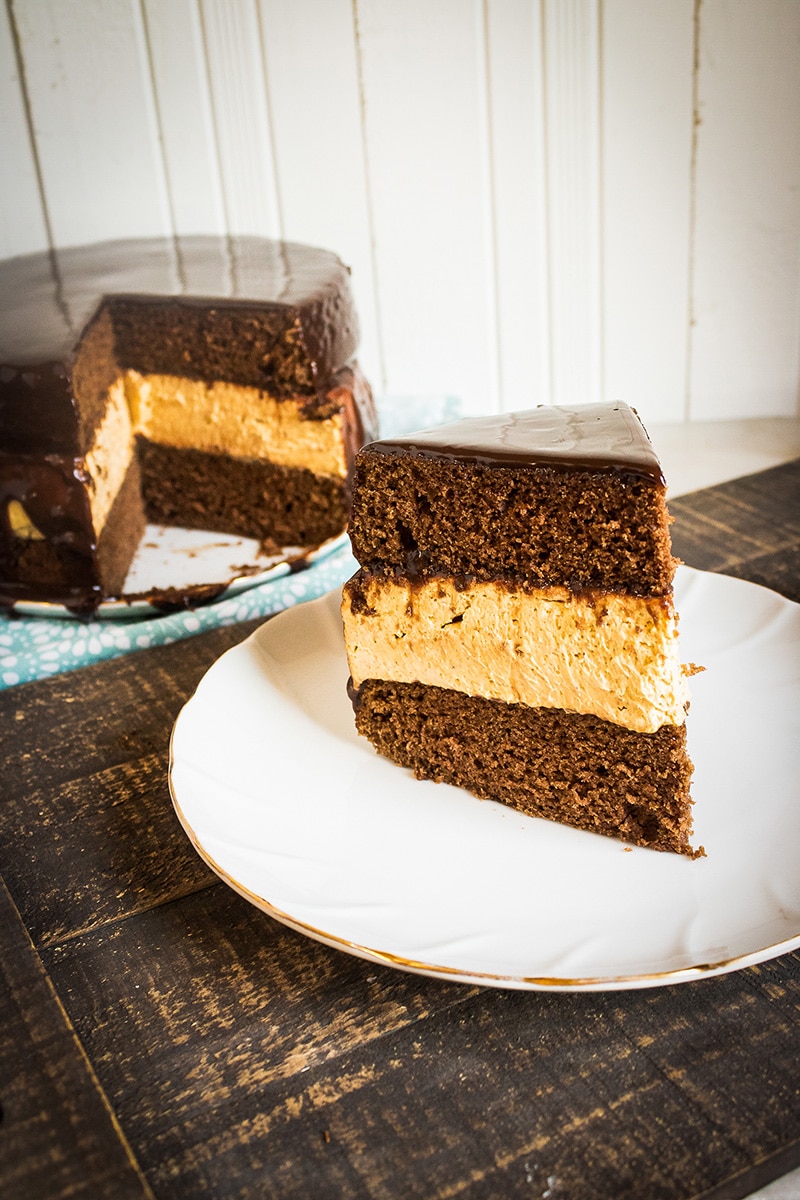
[(299, 815), (201, 565)]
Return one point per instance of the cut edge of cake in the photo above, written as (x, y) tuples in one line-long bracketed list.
[(496, 642), (234, 415)]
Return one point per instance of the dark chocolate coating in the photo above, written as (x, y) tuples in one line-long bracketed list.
[(252, 311), (600, 437)]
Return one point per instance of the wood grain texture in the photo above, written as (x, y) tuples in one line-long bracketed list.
[(424, 1089), (87, 829), (749, 528), (157, 1025), (58, 1135), (234, 1015), (59, 737)]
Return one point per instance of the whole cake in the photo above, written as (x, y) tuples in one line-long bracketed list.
[(203, 382), (512, 628)]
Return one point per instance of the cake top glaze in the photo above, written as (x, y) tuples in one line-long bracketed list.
[(598, 437), (249, 311), (47, 299)]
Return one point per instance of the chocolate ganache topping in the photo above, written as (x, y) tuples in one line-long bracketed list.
[(597, 437), (191, 292)]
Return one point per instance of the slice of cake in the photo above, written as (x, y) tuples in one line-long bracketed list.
[(208, 383), (512, 627)]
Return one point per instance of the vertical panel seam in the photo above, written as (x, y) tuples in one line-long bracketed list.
[(270, 122), (601, 212), (26, 105), (362, 104), (214, 116), (597, 301), (490, 192), (696, 122), (570, 39), (237, 88), (548, 189), (159, 123)]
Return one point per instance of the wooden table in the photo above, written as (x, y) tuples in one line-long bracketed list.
[(161, 1037)]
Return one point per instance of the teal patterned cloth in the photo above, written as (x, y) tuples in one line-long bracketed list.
[(35, 647)]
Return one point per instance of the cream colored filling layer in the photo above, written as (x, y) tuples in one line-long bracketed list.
[(110, 457), (615, 657), (225, 418), (243, 422)]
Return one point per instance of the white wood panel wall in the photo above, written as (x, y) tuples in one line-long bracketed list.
[(541, 200)]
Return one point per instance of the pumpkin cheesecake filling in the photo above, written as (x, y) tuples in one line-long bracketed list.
[(613, 656)]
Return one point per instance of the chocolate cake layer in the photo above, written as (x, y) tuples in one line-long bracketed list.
[(46, 532), (289, 506), (536, 503), (575, 769)]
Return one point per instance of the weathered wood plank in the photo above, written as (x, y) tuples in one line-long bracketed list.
[(97, 849), (779, 571), (241, 1059), (209, 1023), (58, 1135), (339, 1078), (87, 829), (740, 522)]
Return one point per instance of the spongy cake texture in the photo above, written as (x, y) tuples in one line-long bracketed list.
[(556, 508), (533, 526)]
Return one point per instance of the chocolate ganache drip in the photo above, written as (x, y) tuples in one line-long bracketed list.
[(598, 437)]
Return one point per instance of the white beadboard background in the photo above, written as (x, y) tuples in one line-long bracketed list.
[(541, 200)]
